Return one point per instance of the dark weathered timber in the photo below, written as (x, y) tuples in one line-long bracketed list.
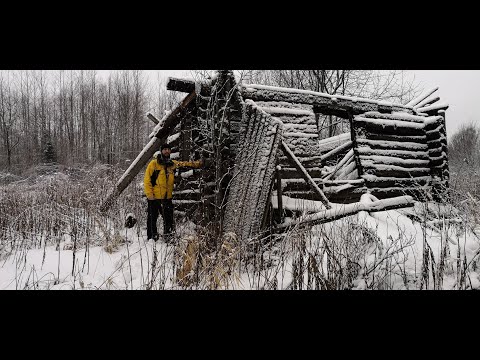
[(397, 172), (420, 139), (417, 155), (153, 118), (387, 128), (355, 132), (187, 86)]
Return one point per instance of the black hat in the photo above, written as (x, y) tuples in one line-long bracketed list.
[(166, 146)]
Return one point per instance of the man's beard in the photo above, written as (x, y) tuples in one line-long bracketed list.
[(166, 160)]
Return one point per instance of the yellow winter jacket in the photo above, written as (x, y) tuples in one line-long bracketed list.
[(165, 179)]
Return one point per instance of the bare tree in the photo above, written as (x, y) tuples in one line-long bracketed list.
[(464, 146)]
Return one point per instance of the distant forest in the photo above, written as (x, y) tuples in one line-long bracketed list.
[(76, 116)]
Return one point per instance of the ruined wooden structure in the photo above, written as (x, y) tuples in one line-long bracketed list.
[(265, 141)]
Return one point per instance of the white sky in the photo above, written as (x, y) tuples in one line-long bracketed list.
[(458, 88)]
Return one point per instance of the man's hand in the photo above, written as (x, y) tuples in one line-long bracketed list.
[(151, 197)]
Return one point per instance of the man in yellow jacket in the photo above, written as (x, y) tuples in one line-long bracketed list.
[(158, 186)]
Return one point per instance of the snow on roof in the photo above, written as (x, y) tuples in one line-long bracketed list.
[(253, 87), (388, 122), (284, 110)]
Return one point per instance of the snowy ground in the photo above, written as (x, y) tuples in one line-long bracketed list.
[(383, 250)]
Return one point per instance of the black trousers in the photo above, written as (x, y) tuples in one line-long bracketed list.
[(154, 208)]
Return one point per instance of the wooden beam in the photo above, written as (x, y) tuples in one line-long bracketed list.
[(331, 104), (279, 194), (350, 209), (422, 97), (187, 86), (295, 162), (182, 85), (153, 118), (146, 154)]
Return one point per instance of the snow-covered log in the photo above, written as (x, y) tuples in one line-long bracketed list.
[(426, 102), (349, 209), (152, 118), (437, 107), (187, 86), (337, 103), (348, 156), (421, 97)]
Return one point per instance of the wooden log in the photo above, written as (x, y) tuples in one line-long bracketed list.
[(420, 139), (390, 127), (402, 117), (305, 174), (331, 154), (187, 86), (391, 160), (153, 118), (347, 210), (279, 194), (143, 158), (348, 169), (421, 97), (395, 171), (402, 154), (372, 181), (355, 132), (349, 155), (324, 102), (426, 102), (392, 145), (432, 108)]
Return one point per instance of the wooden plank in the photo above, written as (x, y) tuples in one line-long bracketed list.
[(185, 85), (340, 164), (152, 118), (426, 102)]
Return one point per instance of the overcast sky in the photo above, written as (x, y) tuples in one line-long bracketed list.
[(456, 88)]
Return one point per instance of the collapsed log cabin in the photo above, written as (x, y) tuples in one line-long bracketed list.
[(268, 143)]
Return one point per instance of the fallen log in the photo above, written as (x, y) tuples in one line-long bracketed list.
[(349, 209)]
